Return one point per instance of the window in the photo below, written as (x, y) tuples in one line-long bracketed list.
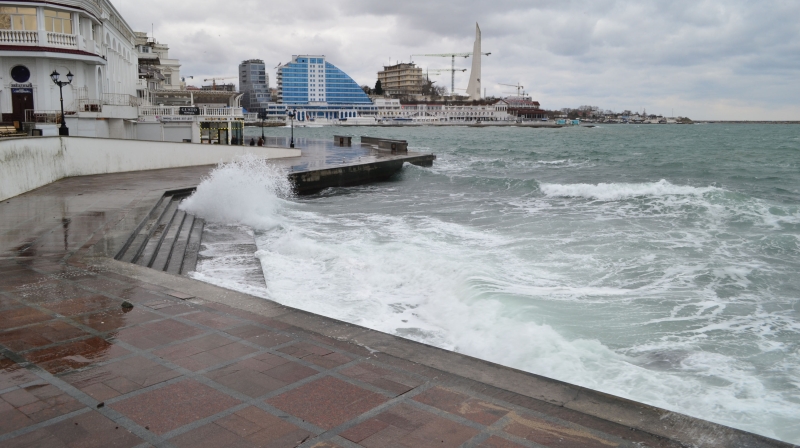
[(57, 21), (15, 18)]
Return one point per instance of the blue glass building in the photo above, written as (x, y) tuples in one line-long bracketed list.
[(317, 88)]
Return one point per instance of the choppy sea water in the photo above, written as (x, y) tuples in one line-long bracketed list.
[(659, 263)]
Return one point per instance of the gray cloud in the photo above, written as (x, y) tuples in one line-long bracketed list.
[(705, 59)]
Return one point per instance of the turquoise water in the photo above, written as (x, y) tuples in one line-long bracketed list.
[(654, 262)]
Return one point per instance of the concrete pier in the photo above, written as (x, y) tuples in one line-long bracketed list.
[(196, 365), (324, 164)]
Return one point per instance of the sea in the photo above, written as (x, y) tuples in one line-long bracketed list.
[(659, 263)]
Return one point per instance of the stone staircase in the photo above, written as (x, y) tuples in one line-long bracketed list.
[(168, 239)]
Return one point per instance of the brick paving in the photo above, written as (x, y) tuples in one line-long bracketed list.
[(187, 369)]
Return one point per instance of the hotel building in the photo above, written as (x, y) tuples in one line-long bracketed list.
[(401, 79), (317, 89)]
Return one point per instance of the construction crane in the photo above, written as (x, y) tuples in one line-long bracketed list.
[(438, 71), (214, 81), (452, 57), (517, 85)]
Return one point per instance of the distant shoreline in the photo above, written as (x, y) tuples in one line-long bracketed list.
[(746, 122)]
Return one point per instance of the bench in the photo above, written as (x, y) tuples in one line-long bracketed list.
[(10, 131)]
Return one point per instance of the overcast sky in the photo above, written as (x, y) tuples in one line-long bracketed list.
[(702, 59)]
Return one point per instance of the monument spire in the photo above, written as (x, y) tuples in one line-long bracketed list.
[(474, 86)]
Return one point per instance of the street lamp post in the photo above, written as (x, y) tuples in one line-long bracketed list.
[(291, 115), (63, 130), (262, 115)]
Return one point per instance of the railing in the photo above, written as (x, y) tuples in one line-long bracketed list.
[(62, 40), (207, 111), (89, 105), (19, 37), (45, 116), (120, 99), (108, 99)]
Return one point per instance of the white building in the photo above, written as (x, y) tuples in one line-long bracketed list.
[(85, 38), (392, 109), (156, 70)]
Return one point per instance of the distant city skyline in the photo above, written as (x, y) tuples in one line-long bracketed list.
[(705, 60)]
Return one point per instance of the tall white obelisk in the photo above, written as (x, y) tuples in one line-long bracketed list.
[(474, 86)]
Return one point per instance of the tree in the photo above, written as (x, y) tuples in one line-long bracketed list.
[(366, 89), (378, 89)]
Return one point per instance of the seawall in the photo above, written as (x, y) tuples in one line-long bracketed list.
[(28, 163)]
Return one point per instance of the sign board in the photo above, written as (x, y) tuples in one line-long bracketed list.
[(186, 110), (176, 118), (21, 90), (21, 84)]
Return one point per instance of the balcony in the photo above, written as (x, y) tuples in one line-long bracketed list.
[(62, 40), (11, 37), (151, 111), (44, 39)]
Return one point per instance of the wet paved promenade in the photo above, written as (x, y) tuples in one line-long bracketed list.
[(194, 365)]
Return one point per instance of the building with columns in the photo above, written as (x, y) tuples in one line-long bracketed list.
[(86, 38)]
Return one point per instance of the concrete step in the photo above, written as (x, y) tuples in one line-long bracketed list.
[(164, 252), (193, 247), (179, 249), (168, 239), (133, 248), (149, 253)]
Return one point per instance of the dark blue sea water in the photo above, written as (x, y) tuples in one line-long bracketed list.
[(658, 262)]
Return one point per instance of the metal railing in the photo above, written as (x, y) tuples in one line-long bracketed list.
[(120, 99), (108, 99), (45, 116), (206, 111)]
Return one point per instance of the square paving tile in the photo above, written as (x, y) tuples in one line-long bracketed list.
[(411, 427), (552, 434), (74, 355), (89, 430), (385, 379), (258, 335), (204, 352), (54, 291), (17, 317), (117, 378), (327, 402), (153, 334), (33, 404), (456, 403), (117, 318), (81, 305), (9, 302), (175, 405), (499, 442), (250, 427), (213, 320), (39, 335), (12, 374)]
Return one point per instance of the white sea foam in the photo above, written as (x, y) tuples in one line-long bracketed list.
[(668, 280), (248, 190), (621, 191)]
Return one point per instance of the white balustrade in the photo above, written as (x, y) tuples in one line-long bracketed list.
[(204, 111), (62, 40), (15, 37)]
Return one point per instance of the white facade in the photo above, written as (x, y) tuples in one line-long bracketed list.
[(390, 109), (156, 70), (87, 38)]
